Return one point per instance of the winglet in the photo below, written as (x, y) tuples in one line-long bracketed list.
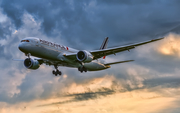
[(157, 39)]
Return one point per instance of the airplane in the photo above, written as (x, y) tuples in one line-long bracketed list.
[(50, 53)]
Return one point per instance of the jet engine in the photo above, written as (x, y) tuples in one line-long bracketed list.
[(31, 64), (84, 56)]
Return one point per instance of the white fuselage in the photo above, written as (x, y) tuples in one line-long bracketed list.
[(56, 53)]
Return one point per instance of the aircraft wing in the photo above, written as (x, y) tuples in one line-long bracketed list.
[(100, 53), (47, 62), (50, 62), (104, 52)]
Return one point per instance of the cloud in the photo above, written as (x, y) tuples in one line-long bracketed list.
[(152, 79), (169, 46), (89, 95), (120, 20)]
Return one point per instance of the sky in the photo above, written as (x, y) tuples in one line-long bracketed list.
[(150, 84)]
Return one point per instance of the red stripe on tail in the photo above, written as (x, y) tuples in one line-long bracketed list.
[(104, 57)]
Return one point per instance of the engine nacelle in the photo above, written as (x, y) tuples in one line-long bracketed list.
[(31, 64), (84, 56)]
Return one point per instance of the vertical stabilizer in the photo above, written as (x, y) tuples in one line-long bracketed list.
[(104, 45)]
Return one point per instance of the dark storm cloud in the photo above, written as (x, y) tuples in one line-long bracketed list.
[(84, 21)]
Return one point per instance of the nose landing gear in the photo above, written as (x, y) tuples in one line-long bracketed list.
[(28, 55), (56, 72)]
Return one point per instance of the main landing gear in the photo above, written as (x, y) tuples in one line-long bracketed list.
[(56, 72), (82, 68)]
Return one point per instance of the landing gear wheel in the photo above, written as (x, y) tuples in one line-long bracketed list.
[(84, 69), (81, 69), (56, 72), (53, 72)]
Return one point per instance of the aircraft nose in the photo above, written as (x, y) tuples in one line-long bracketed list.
[(20, 47)]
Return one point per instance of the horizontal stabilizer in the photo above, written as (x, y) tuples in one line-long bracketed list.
[(118, 62), (18, 59)]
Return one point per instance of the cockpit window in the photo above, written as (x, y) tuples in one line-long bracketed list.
[(24, 40)]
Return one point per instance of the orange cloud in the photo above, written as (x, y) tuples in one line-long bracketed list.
[(170, 45)]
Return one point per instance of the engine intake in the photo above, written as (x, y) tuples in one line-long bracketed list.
[(31, 64), (84, 56)]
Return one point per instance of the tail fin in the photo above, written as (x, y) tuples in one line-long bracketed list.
[(104, 45)]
